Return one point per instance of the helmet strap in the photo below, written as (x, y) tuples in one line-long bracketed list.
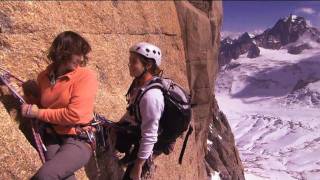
[(142, 74), (161, 73)]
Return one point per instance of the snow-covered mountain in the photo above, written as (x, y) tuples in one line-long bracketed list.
[(272, 103), (292, 33)]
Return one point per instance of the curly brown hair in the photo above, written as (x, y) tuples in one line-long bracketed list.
[(65, 45)]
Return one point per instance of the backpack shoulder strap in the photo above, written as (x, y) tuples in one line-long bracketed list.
[(152, 85)]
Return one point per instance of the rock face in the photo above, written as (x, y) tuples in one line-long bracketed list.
[(298, 49), (187, 33), (18, 158), (253, 51), (201, 36), (223, 156)]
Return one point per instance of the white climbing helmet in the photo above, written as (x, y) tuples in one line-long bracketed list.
[(147, 50)]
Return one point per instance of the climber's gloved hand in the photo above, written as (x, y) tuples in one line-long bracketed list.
[(29, 110)]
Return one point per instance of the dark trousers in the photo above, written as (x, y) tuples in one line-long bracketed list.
[(128, 142), (65, 155)]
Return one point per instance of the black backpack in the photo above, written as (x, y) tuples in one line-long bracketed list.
[(176, 117)]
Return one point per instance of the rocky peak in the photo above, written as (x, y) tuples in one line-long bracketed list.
[(284, 33), (288, 30), (227, 40), (245, 37), (233, 48)]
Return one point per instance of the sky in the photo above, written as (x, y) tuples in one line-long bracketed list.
[(257, 16)]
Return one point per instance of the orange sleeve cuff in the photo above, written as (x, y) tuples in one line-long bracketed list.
[(41, 115)]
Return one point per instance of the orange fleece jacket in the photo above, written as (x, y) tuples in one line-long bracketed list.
[(70, 101)]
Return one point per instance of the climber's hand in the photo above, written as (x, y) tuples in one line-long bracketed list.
[(136, 171), (29, 110)]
